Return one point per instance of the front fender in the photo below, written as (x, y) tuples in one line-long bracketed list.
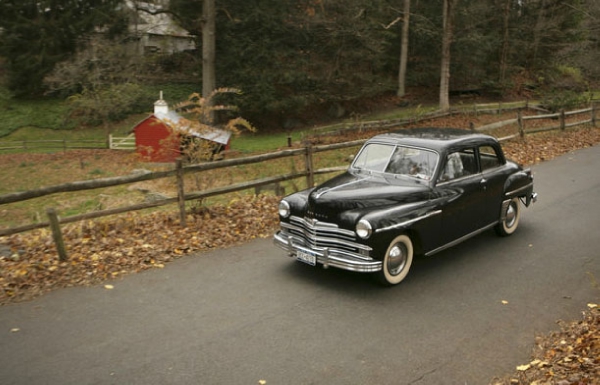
[(421, 221), (398, 218)]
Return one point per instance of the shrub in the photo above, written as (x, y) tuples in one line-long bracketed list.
[(567, 100), (113, 103)]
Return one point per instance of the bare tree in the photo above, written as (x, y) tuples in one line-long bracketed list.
[(208, 50), (404, 49), (447, 33), (504, 57)]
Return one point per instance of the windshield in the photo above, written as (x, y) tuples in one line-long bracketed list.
[(398, 160)]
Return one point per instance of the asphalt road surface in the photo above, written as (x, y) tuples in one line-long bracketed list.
[(249, 315)]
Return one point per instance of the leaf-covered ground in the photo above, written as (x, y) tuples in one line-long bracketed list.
[(570, 356), (103, 250)]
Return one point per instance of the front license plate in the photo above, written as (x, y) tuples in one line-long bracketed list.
[(308, 258)]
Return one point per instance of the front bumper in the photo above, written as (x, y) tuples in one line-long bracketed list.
[(327, 257)]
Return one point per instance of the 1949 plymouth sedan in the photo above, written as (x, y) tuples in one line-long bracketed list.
[(412, 192)]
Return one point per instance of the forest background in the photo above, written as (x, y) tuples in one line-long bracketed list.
[(298, 62)]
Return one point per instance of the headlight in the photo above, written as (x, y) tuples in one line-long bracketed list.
[(364, 229), (284, 209)]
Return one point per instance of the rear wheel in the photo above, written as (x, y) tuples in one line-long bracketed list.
[(511, 215), (397, 261)]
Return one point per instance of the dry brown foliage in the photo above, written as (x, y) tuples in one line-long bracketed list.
[(108, 249), (570, 356), (101, 251)]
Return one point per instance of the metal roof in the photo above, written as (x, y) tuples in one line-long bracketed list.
[(183, 125)]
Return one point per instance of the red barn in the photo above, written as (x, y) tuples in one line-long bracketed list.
[(160, 137)]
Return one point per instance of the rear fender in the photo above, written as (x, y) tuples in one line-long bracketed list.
[(520, 185)]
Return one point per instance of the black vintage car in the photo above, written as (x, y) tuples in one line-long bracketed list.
[(412, 192)]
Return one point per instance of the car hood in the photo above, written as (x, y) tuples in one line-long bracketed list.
[(356, 191)]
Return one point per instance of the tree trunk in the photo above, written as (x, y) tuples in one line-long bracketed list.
[(445, 66), (404, 50), (537, 34), (505, 43), (208, 49)]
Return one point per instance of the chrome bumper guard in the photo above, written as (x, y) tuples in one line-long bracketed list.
[(534, 197), (340, 259)]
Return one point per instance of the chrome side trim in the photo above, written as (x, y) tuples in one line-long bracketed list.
[(318, 195), (410, 221), (461, 239), (517, 191)]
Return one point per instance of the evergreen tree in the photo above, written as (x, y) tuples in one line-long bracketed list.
[(38, 34)]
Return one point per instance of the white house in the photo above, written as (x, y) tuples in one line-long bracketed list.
[(157, 32)]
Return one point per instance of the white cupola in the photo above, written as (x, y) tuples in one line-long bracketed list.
[(160, 106)]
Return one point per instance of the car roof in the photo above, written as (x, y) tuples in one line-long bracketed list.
[(438, 139)]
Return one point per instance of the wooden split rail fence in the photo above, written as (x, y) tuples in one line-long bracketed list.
[(565, 120)]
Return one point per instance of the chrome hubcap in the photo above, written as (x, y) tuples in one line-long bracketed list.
[(396, 259), (511, 215)]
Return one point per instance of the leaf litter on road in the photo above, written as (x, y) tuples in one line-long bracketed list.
[(101, 251)]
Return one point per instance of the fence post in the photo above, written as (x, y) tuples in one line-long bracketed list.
[(562, 119), (180, 193), (57, 234), (310, 177), (593, 114), (520, 124)]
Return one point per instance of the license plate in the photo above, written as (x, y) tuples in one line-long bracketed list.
[(308, 258)]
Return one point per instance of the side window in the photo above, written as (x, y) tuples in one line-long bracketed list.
[(459, 164), (489, 158)]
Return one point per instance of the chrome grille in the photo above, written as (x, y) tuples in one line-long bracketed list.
[(320, 235)]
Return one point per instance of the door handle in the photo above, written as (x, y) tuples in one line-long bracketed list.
[(483, 183)]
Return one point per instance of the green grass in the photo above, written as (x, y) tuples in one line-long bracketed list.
[(45, 120), (51, 114), (36, 133), (15, 114), (256, 142)]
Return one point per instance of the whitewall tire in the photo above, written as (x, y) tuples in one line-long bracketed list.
[(511, 216), (397, 261)]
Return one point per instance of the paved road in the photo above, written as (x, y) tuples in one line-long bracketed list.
[(248, 314)]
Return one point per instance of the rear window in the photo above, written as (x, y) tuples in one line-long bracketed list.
[(489, 158)]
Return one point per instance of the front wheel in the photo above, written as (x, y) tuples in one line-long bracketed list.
[(397, 261), (510, 221)]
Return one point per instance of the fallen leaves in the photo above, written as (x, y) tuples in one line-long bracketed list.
[(105, 250), (548, 145), (568, 357), (101, 251)]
